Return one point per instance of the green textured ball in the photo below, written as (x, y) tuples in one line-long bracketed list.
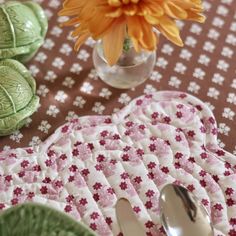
[(37, 220), (18, 98), (23, 27)]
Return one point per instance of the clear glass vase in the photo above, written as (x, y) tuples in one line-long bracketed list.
[(131, 70)]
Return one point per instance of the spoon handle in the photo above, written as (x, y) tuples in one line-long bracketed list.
[(127, 220)]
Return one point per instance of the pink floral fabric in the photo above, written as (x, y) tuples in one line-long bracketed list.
[(89, 163)]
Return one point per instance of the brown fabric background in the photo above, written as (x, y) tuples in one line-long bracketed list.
[(205, 67)]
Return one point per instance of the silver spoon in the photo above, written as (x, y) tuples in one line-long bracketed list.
[(129, 224), (182, 214)]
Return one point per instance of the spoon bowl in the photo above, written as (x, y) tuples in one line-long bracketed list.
[(182, 214)]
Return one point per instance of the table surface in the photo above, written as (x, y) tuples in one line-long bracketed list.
[(68, 86)]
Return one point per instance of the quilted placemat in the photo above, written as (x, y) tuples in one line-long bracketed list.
[(87, 164)]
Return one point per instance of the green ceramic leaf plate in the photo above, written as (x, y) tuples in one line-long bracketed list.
[(37, 220), (18, 99), (23, 27)]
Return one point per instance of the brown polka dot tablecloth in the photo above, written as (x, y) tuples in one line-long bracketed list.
[(68, 86)]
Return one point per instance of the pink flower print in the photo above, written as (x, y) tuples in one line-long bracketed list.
[(94, 215), (187, 165), (68, 208), (154, 231), (150, 193), (106, 199), (128, 188), (93, 226), (63, 141), (24, 164), (151, 165), (220, 153), (136, 209), (206, 204), (57, 184), (155, 115), (61, 164), (104, 133), (162, 127), (79, 181), (81, 206), (191, 134), (208, 125), (139, 102), (17, 191), (109, 220), (83, 202), (10, 160), (101, 158), (162, 149), (102, 228), (178, 138), (73, 168), (148, 205), (65, 129), (136, 132), (8, 179), (165, 169), (149, 224), (167, 119), (14, 201), (85, 173), (70, 199), (37, 168), (123, 185), (109, 169), (155, 204), (111, 145), (218, 207), (96, 197), (83, 152), (191, 187), (134, 158), (88, 131), (203, 183), (136, 181), (187, 115), (179, 114), (203, 129), (107, 120), (140, 152), (212, 186), (29, 177), (212, 160), (97, 186), (124, 175), (202, 173), (159, 177), (138, 112), (216, 216), (230, 202), (94, 120), (229, 191)]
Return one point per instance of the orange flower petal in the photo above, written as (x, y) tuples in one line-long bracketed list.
[(113, 42), (174, 11), (82, 38), (169, 29)]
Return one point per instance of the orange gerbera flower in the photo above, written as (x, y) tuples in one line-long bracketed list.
[(114, 20)]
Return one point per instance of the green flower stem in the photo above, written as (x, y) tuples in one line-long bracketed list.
[(127, 44)]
